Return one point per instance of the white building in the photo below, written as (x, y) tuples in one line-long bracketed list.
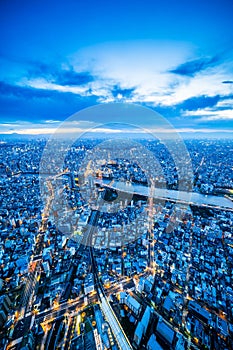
[(89, 284), (133, 304), (142, 326), (153, 344), (138, 333), (123, 296)]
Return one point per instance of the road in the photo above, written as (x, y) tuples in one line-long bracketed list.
[(21, 325), (77, 304), (117, 330)]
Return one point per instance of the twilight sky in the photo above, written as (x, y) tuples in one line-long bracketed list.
[(58, 57)]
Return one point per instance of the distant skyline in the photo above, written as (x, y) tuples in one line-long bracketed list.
[(57, 58)]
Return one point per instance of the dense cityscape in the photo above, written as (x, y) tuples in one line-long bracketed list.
[(89, 264)]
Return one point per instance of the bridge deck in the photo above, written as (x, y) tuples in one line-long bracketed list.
[(189, 198)]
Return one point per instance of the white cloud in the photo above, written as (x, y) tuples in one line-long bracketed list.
[(207, 83), (208, 114), (146, 66), (143, 65), (227, 103), (42, 83), (51, 121), (78, 128)]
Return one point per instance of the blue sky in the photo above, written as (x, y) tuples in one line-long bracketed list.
[(58, 57)]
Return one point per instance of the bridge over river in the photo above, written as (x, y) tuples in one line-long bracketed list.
[(189, 198)]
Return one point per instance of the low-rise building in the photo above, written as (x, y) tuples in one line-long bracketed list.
[(133, 304)]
